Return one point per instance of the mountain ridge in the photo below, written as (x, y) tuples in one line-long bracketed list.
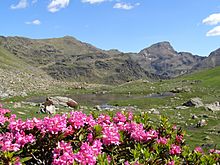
[(69, 59)]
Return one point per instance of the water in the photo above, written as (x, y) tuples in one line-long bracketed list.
[(102, 99)]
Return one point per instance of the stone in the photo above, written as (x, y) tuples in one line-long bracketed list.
[(154, 111), (202, 123), (97, 107), (181, 107), (180, 89), (207, 138), (72, 104), (194, 117), (214, 107), (59, 100), (194, 102), (51, 109)]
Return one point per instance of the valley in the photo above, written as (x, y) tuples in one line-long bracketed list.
[(156, 81)]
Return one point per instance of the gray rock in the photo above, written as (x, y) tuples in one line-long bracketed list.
[(59, 100), (51, 109), (181, 107), (213, 107), (194, 102), (194, 117), (181, 89), (154, 111), (202, 123)]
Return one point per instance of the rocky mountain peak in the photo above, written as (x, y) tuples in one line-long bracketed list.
[(161, 50), (162, 45)]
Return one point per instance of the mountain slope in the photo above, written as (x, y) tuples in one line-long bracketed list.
[(207, 77), (69, 59), (211, 61), (18, 77)]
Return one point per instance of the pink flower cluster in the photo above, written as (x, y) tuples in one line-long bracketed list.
[(63, 153), (138, 132), (13, 142), (175, 149), (80, 138)]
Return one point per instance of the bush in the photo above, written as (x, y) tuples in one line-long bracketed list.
[(77, 138)]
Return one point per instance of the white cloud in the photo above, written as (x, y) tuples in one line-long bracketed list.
[(214, 32), (34, 22), (212, 19), (56, 5), (93, 1), (125, 6), (21, 5), (34, 1)]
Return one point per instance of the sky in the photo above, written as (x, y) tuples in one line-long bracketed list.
[(128, 25)]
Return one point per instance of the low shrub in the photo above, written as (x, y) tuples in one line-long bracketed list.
[(77, 138)]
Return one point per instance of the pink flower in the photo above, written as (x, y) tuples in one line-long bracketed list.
[(175, 149), (119, 118), (110, 134), (179, 138), (103, 119), (162, 140), (174, 127), (63, 154), (130, 116), (126, 163), (77, 119), (88, 154), (171, 163), (137, 131), (198, 149), (214, 151), (151, 134)]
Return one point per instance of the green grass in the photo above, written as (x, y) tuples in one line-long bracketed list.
[(209, 77)]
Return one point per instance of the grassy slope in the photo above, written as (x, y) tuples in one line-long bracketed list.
[(7, 60), (209, 77)]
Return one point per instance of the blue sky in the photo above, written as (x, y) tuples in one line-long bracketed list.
[(127, 25)]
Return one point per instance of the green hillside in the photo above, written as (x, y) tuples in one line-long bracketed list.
[(7, 60), (208, 77)]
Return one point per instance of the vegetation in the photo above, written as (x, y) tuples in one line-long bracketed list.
[(96, 139), (202, 84)]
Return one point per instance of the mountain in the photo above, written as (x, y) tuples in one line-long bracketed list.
[(211, 61), (68, 59), (162, 59)]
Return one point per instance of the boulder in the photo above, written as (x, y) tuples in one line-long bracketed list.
[(72, 103), (63, 101), (213, 107), (194, 102)]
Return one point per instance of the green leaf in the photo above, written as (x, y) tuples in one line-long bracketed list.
[(98, 129), (25, 159), (81, 136)]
